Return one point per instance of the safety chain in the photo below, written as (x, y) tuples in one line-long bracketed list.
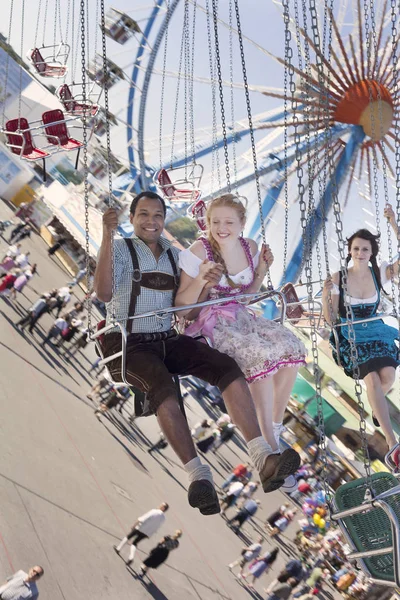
[(37, 23), (7, 65), (288, 60), (384, 169), (251, 130), (396, 89), (20, 67), (232, 99), (85, 161), (160, 141), (186, 68), (343, 266), (221, 92), (191, 85), (110, 201), (178, 85), (55, 26), (215, 164), (46, 7)]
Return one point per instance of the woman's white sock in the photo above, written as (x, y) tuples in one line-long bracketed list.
[(196, 470), (259, 449)]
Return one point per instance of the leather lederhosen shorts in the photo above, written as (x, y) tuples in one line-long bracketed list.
[(151, 364)]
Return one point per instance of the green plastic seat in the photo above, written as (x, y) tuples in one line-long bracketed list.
[(370, 530)]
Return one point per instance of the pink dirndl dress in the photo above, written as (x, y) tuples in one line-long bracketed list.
[(259, 346)]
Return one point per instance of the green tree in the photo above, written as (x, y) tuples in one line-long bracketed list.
[(184, 230)]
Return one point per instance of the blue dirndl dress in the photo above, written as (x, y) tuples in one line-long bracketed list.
[(376, 342)]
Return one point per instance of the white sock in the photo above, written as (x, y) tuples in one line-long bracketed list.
[(259, 449), (122, 544), (197, 471), (132, 552), (277, 427)]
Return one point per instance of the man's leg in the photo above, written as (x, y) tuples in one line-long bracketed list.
[(187, 356)]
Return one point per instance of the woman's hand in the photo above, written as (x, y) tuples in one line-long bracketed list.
[(328, 286), (211, 273), (388, 213), (266, 260)]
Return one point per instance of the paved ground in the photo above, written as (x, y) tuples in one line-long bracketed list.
[(71, 486)]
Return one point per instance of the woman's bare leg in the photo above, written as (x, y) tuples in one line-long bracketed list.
[(379, 406), (283, 382)]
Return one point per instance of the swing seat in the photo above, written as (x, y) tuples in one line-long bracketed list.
[(72, 105), (20, 141), (373, 527), (198, 212), (44, 67), (294, 313), (57, 133), (173, 191)]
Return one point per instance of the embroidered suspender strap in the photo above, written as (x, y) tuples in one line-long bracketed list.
[(137, 276), (175, 270)]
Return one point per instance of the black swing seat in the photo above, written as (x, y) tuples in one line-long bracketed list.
[(371, 525)]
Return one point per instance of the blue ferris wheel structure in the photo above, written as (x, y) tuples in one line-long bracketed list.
[(349, 133)]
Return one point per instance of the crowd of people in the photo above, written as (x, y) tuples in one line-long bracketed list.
[(253, 362)]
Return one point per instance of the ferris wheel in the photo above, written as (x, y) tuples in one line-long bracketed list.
[(356, 55)]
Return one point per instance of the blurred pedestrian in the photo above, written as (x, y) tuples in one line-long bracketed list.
[(247, 511), (282, 591), (22, 585), (261, 565), (249, 553), (160, 553), (146, 526)]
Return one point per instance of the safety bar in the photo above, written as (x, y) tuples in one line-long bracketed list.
[(121, 353), (307, 314), (356, 321), (253, 298)]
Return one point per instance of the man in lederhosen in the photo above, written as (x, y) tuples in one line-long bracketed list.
[(146, 277)]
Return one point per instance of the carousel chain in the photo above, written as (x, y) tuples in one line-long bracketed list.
[(85, 158), (164, 68), (221, 92), (251, 130), (7, 64), (37, 24), (20, 68), (341, 248), (186, 68), (191, 87), (46, 7), (288, 59), (178, 86), (395, 87), (215, 164), (108, 140), (384, 169), (232, 99)]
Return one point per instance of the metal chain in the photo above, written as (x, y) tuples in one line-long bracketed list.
[(215, 163), (186, 68), (37, 24), (55, 27), (178, 85), (221, 93), (191, 85), (341, 248), (288, 60), (384, 169), (46, 6), (164, 68), (395, 91), (251, 130), (20, 66), (110, 201), (232, 99), (85, 159), (7, 65)]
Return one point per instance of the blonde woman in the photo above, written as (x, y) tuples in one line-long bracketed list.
[(268, 353)]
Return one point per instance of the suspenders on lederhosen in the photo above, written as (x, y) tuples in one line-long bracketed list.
[(153, 280)]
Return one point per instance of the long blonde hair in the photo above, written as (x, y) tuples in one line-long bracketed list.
[(230, 201)]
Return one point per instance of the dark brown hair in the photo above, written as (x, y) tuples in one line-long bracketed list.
[(366, 235)]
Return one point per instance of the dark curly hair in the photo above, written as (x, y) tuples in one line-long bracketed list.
[(365, 234)]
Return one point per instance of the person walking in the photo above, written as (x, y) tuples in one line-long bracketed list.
[(160, 553), (249, 553), (261, 565), (231, 497), (239, 472), (42, 306), (146, 526), (282, 591), (311, 582), (78, 277), (293, 569), (22, 585), (247, 511), (60, 324)]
